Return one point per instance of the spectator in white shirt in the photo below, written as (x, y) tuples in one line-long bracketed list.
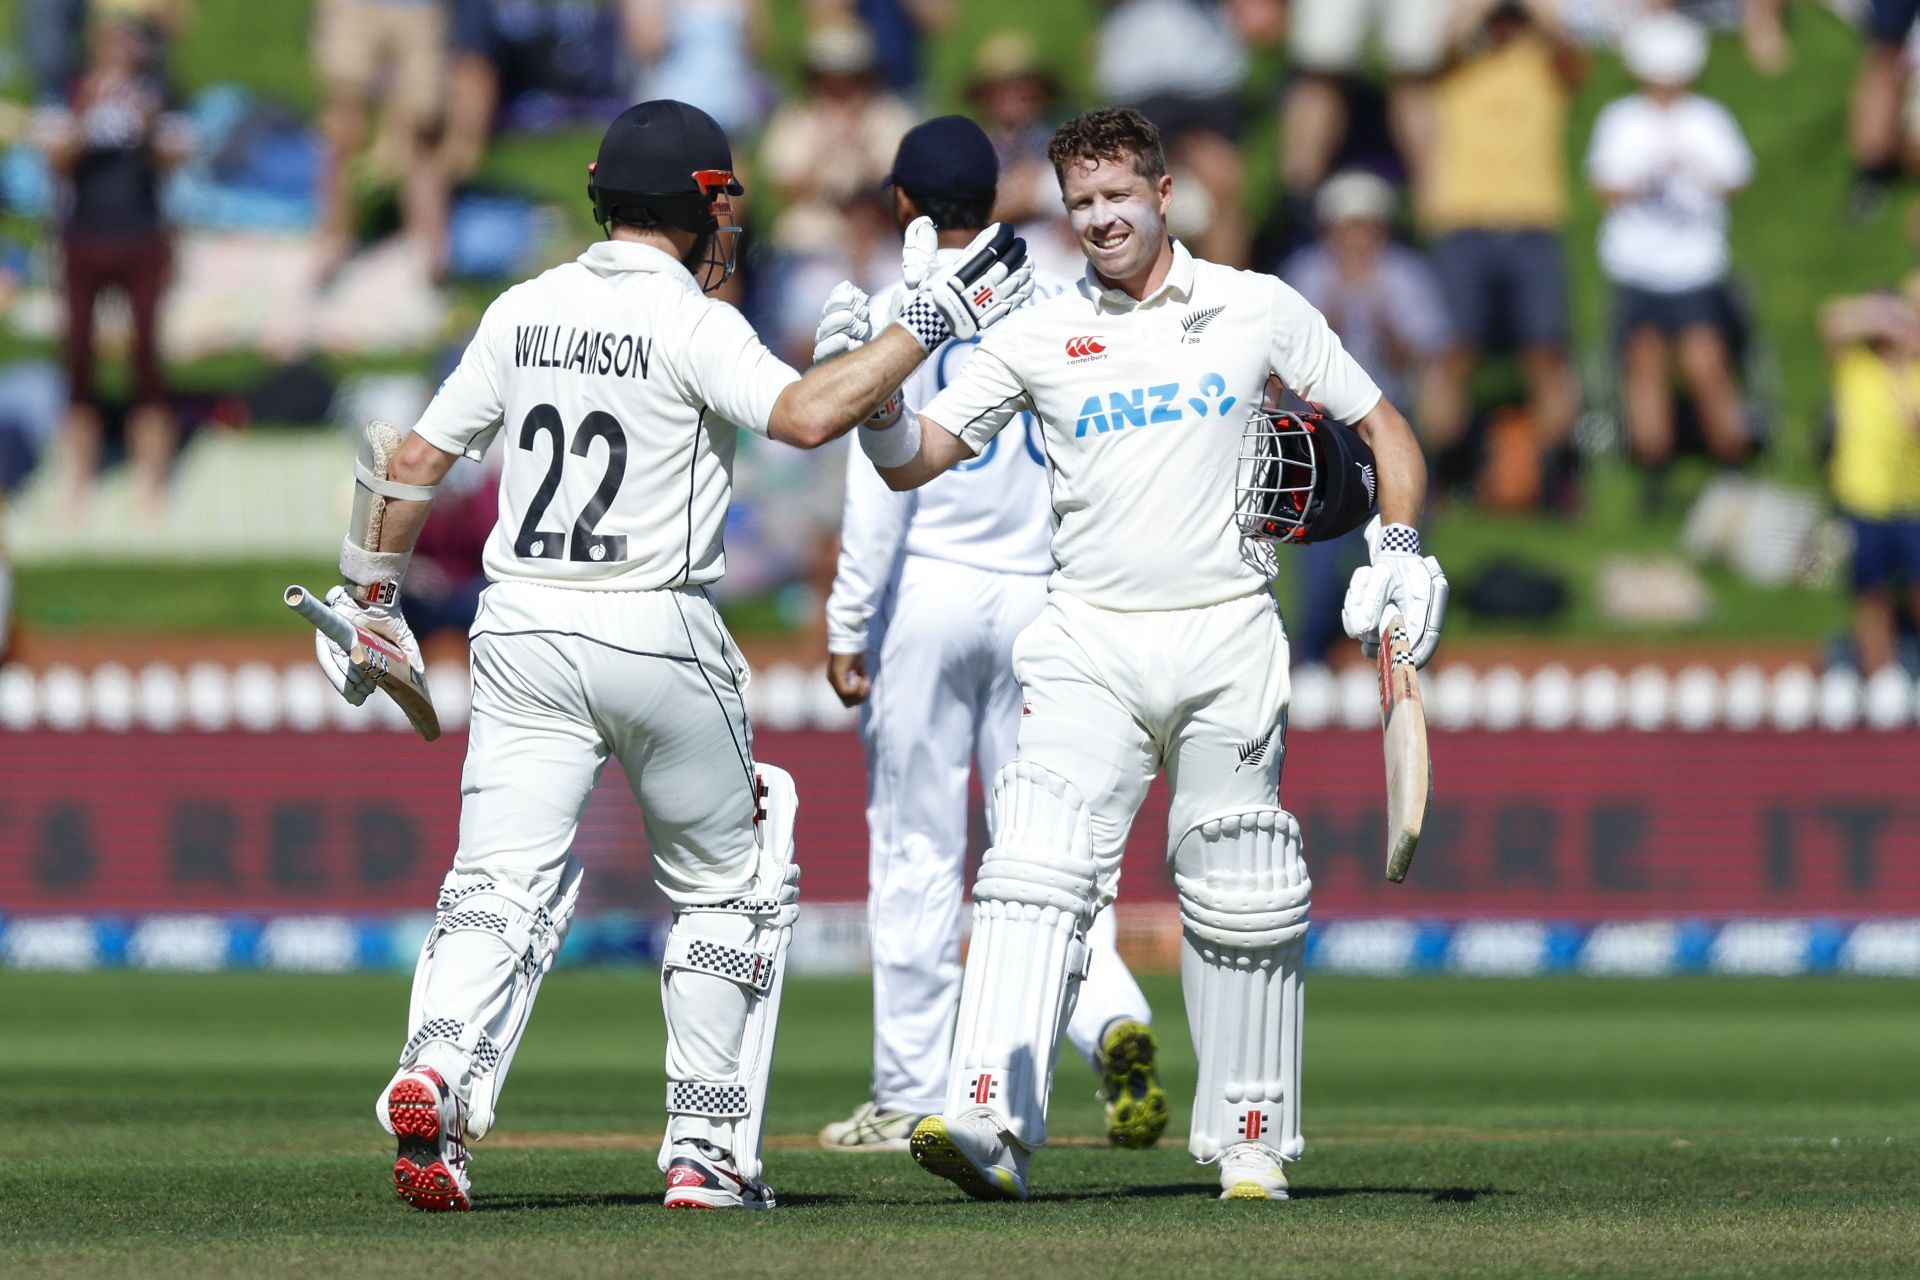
[(1664, 161)]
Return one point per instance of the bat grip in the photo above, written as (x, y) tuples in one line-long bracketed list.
[(325, 620)]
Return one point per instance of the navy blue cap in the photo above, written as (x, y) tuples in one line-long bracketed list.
[(947, 156)]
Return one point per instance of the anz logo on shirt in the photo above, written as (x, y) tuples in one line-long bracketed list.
[(944, 369), (1150, 406)]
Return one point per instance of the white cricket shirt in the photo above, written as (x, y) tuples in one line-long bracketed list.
[(990, 513), (1677, 165), (1141, 406), (621, 388)]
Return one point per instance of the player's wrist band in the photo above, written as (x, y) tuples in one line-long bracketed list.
[(1400, 539), (923, 320), (372, 573), (893, 446)]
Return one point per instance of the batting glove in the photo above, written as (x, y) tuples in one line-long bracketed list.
[(1400, 580), (995, 277), (846, 322), (354, 682), (920, 253)]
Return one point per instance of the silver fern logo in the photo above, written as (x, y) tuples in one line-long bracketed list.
[(1196, 322), (1366, 478)]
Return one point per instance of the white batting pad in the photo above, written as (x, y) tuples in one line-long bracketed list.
[(474, 984), (720, 981), (1032, 903), (1243, 905)]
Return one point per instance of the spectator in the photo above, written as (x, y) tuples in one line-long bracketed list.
[(899, 29), (1497, 207), (113, 143), (1194, 99), (392, 52), (1329, 38), (1664, 161), (832, 144), (1383, 302), (1873, 126), (53, 36), (704, 52), (1013, 93), (1873, 344), (473, 88)]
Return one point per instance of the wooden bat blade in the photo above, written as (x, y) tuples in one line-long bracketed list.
[(405, 683), (1403, 722)]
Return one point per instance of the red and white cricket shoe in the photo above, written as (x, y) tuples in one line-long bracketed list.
[(430, 1168), (702, 1176)]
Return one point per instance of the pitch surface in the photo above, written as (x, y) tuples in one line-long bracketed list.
[(222, 1125)]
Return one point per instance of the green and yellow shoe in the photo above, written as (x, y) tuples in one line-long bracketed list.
[(1136, 1103), (970, 1152)]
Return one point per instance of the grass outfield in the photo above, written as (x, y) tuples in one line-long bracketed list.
[(221, 1125)]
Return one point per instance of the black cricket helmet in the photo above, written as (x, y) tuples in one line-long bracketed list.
[(1303, 477), (665, 163)]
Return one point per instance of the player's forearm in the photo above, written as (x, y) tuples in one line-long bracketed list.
[(939, 450), (1402, 471), (831, 397), (417, 462)]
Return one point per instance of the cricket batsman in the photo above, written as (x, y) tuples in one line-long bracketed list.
[(621, 389), (931, 589), (1160, 646)]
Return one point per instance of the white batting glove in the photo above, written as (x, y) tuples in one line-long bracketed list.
[(846, 322), (920, 254), (1400, 580), (995, 277), (353, 682)]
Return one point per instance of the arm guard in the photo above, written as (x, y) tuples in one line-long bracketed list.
[(374, 575)]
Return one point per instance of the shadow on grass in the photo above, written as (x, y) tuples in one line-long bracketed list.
[(620, 1199), (1438, 1195)]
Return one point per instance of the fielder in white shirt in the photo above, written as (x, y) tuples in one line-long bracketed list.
[(931, 589), (1160, 647), (620, 388)]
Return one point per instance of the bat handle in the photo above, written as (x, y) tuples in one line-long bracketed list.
[(324, 620)]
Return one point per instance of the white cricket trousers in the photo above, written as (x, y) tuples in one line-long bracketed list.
[(1114, 697), (944, 699), (563, 678)]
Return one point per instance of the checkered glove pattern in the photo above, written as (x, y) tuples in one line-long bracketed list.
[(1399, 580)]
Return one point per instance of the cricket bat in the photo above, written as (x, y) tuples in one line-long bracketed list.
[(1403, 724), (405, 683)]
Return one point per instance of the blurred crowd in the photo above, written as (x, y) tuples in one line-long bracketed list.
[(1418, 194)]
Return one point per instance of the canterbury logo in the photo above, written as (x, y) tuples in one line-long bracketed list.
[(1199, 320), (1080, 348), (1253, 753)]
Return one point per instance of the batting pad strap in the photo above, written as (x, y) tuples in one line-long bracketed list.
[(525, 927), (751, 969), (714, 1101), (469, 1038), (392, 488)]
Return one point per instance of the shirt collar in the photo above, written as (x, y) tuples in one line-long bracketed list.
[(1179, 283), (605, 257)]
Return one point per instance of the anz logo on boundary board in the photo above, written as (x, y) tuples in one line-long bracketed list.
[(943, 372), (1149, 406)]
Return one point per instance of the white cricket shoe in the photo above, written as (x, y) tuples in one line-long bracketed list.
[(973, 1152), (430, 1168), (1251, 1171), (702, 1176), (871, 1130)]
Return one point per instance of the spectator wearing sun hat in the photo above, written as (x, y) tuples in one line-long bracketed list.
[(1664, 161)]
